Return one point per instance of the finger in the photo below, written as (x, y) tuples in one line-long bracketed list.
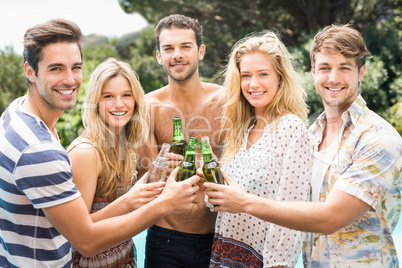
[(211, 194), (175, 157), (173, 163), (213, 201), (212, 186), (154, 185), (199, 172), (194, 179)]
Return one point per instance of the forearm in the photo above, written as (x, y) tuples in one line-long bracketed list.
[(107, 233), (302, 216), (116, 208)]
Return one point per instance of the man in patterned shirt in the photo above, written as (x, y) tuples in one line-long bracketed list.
[(356, 174)]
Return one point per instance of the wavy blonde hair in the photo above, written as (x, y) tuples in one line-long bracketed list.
[(238, 114), (103, 138)]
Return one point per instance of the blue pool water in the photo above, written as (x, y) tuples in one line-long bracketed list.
[(140, 245)]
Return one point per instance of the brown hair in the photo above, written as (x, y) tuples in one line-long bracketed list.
[(181, 22), (41, 35), (341, 39)]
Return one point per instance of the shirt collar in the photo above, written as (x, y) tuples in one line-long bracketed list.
[(351, 115)]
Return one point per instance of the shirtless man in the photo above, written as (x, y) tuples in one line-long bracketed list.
[(183, 240)]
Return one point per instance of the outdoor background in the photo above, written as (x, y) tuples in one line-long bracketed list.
[(124, 30)]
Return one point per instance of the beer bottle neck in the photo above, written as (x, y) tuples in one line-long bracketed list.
[(178, 132), (190, 156), (207, 157)]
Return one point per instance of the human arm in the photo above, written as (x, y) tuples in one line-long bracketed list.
[(71, 219), (363, 177), (87, 167), (327, 217)]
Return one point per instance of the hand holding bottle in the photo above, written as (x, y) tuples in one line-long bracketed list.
[(181, 195), (227, 198), (142, 193)]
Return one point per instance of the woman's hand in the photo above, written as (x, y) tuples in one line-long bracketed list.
[(142, 193)]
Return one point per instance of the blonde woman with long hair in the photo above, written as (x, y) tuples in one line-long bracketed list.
[(266, 154), (104, 156)]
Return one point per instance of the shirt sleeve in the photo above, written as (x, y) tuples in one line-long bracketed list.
[(44, 174), (283, 245), (374, 169)]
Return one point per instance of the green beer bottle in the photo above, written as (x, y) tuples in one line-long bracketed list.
[(179, 144), (188, 167), (210, 168)]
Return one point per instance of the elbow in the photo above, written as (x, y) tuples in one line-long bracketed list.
[(330, 227), (86, 250)]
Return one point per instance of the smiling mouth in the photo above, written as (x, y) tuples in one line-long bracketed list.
[(66, 92), (256, 93), (334, 89), (118, 113)]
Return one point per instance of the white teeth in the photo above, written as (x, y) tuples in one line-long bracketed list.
[(256, 93), (118, 114), (334, 89), (66, 92)]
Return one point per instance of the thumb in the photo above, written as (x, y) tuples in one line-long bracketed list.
[(143, 178), (173, 175)]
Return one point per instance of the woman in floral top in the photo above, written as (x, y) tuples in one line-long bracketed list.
[(266, 153)]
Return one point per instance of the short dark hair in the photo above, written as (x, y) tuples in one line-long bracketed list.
[(181, 22), (53, 31)]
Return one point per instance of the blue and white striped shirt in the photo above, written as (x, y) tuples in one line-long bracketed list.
[(35, 173)]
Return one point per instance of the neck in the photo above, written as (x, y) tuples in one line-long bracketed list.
[(185, 91), (34, 104)]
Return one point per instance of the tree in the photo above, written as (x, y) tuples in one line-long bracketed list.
[(231, 20), (12, 78)]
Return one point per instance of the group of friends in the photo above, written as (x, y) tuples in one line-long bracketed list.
[(332, 191)]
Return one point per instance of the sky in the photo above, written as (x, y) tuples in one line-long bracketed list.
[(104, 17)]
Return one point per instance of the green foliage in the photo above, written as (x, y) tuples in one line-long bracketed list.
[(12, 77), (374, 80), (224, 22), (395, 114)]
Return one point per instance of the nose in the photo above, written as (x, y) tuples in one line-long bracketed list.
[(333, 76), (177, 54), (118, 102), (254, 83), (69, 78)]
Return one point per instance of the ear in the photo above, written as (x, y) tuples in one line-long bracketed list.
[(201, 52), (29, 72), (313, 71), (361, 72), (158, 57)]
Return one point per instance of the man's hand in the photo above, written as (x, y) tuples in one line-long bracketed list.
[(228, 198), (180, 195), (173, 161)]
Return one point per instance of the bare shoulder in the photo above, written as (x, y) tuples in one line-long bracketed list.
[(215, 92), (156, 96), (82, 151)]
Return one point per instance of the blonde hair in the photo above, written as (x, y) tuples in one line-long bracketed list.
[(289, 99), (103, 138)]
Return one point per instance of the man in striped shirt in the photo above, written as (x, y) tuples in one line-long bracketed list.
[(41, 210)]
